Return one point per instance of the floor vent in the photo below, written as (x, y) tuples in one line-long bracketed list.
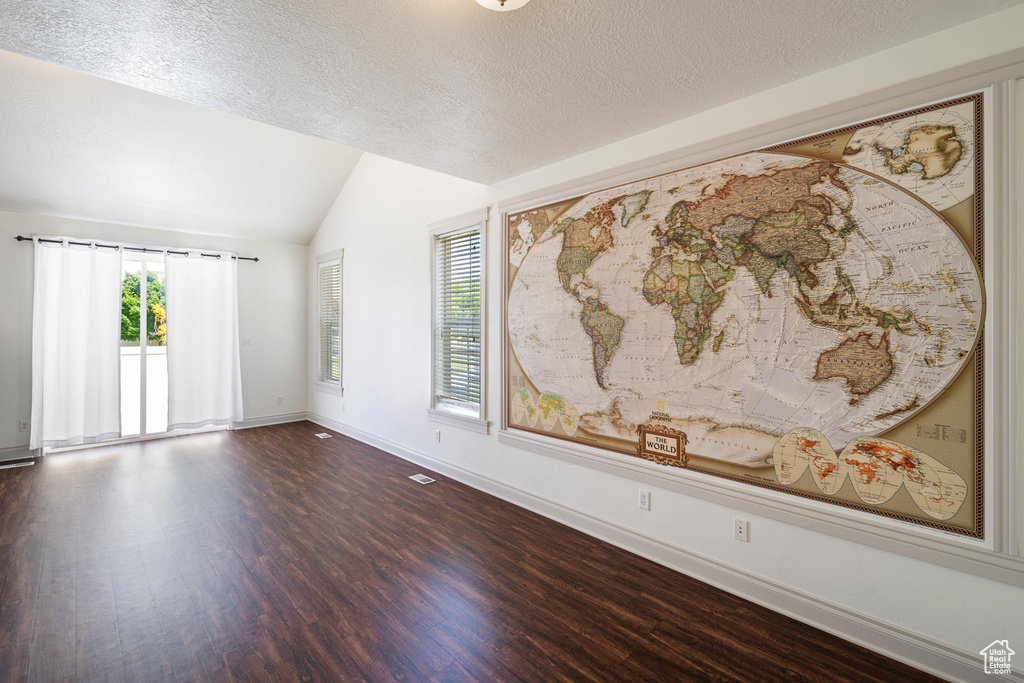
[(21, 464), (322, 435), (422, 479)]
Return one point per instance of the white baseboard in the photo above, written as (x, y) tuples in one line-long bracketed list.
[(21, 452), (17, 453), (266, 420), (874, 634)]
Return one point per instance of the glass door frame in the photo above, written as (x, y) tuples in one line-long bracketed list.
[(142, 254), (143, 342), (144, 259)]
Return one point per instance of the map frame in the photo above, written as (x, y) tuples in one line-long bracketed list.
[(976, 484)]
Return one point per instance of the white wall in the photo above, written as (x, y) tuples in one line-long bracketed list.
[(381, 226), (380, 219), (271, 298)]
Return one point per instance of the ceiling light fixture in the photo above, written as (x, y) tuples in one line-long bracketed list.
[(502, 5)]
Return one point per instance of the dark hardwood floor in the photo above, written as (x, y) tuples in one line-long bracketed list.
[(269, 554)]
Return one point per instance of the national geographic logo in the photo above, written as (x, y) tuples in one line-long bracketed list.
[(660, 413)]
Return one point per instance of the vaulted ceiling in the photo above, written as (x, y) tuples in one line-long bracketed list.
[(79, 146), (451, 86)]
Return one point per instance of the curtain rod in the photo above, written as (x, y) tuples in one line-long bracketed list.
[(145, 250)]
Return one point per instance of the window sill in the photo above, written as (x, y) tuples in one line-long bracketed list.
[(448, 417), (335, 389)]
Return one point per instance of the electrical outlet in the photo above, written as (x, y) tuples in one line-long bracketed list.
[(644, 501), (23, 426), (246, 341), (741, 529), (437, 435), (280, 400)]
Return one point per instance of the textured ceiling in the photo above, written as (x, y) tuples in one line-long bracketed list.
[(79, 146), (454, 87)]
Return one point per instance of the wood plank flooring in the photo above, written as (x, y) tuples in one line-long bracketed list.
[(271, 555)]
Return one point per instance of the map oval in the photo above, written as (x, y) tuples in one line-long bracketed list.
[(749, 296)]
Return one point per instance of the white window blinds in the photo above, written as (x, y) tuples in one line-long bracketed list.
[(457, 306), (330, 322)]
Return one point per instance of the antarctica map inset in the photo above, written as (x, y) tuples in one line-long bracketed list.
[(809, 315)]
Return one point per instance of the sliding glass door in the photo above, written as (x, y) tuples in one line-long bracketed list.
[(143, 346)]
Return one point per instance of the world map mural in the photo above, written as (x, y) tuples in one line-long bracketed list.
[(809, 315)]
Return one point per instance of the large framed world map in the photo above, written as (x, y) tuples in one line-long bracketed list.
[(805, 317)]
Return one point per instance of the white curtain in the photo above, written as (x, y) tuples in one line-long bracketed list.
[(204, 385), (76, 333)]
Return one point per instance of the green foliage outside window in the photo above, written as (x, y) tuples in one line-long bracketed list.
[(156, 300)]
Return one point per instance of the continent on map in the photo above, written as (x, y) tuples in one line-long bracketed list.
[(885, 454), (763, 223), (610, 417), (873, 480), (755, 196), (931, 151), (766, 223), (688, 288), (604, 329), (583, 240), (864, 366)]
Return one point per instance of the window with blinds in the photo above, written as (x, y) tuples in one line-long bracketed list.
[(457, 313), (329, 277)]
